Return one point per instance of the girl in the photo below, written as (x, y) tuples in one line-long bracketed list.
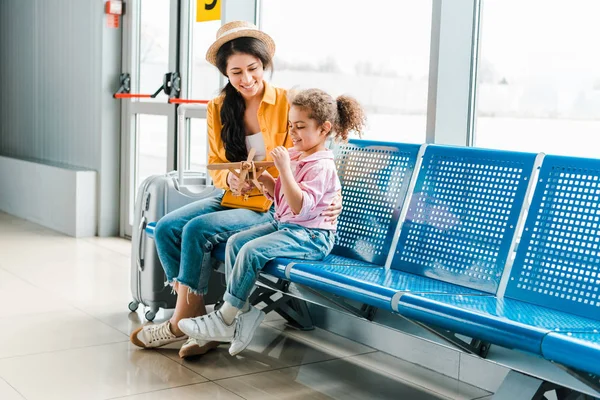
[(249, 113), (306, 185)]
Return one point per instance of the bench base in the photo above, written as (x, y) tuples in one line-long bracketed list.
[(294, 311), (520, 386)]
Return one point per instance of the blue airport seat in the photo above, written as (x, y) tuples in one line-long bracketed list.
[(577, 349), (558, 262), (375, 179), (463, 214)]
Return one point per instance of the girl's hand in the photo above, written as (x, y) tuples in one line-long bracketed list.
[(332, 212), (281, 158)]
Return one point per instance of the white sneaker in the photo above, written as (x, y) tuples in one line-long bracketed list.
[(208, 327), (194, 347), (247, 323), (154, 335)]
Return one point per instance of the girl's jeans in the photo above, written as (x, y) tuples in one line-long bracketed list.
[(249, 251), (185, 238)]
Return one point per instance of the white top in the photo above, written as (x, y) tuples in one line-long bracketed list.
[(257, 141)]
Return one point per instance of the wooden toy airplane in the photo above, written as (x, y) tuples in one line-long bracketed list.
[(249, 170)]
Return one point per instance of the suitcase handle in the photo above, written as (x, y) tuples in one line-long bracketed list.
[(185, 112), (141, 242)]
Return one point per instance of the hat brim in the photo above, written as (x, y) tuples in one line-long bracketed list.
[(211, 53)]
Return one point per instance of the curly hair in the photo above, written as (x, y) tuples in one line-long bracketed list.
[(344, 113), (233, 134)]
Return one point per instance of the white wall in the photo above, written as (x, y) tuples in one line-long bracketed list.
[(59, 66), (57, 196)]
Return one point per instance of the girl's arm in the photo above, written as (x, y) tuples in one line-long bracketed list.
[(268, 183), (290, 188)]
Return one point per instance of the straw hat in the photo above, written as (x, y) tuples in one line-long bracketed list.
[(234, 30)]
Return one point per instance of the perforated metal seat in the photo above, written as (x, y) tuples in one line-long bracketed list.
[(463, 214), (375, 177)]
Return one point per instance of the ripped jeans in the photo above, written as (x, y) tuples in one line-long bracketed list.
[(249, 251), (185, 238)]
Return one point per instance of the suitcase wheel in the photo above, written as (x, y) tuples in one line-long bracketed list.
[(133, 306), (150, 315)]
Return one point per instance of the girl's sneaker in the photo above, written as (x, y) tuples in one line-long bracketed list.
[(154, 335), (247, 323), (208, 327), (194, 347)]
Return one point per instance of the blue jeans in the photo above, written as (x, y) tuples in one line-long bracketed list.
[(185, 238), (249, 251)]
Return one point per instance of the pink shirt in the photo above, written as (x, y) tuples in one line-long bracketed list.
[(317, 177)]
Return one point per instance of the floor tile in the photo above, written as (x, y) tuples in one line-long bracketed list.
[(81, 284), (18, 297), (118, 316), (8, 393), (62, 330), (20, 253), (208, 391), (337, 379), (116, 244), (336, 344), (97, 372), (419, 376), (270, 349), (12, 225)]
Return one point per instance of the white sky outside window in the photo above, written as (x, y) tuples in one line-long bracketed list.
[(539, 77), (377, 52)]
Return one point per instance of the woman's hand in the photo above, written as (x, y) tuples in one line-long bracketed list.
[(332, 212), (234, 184), (281, 158)]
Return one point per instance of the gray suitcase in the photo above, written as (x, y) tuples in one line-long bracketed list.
[(158, 195)]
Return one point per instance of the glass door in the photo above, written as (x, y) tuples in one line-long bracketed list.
[(150, 50)]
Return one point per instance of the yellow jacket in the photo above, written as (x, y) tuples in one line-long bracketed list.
[(273, 121)]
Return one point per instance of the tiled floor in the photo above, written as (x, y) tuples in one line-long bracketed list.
[(65, 325)]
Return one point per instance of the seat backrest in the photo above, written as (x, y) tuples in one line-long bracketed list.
[(463, 215), (557, 264), (375, 177)]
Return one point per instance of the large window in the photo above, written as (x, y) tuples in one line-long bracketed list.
[(153, 46), (205, 77), (377, 52), (539, 77)]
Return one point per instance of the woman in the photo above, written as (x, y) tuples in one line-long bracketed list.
[(249, 113)]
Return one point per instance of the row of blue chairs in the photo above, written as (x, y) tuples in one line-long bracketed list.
[(496, 245)]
